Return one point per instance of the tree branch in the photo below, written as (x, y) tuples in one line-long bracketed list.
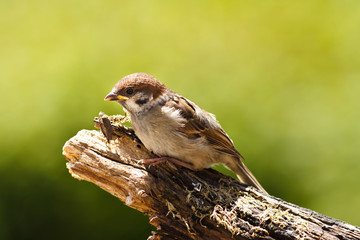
[(183, 204)]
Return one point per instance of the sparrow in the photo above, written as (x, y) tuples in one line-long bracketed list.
[(176, 129)]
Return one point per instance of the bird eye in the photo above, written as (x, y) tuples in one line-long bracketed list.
[(130, 91)]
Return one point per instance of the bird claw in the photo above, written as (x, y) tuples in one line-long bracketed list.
[(156, 161)]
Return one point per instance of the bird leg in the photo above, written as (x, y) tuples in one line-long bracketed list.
[(156, 161)]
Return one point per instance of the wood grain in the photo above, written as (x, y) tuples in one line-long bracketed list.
[(183, 204)]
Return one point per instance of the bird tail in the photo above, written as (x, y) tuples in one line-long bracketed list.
[(244, 175)]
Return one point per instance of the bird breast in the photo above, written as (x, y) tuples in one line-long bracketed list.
[(158, 129)]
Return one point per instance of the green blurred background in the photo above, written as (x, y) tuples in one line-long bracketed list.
[(282, 77)]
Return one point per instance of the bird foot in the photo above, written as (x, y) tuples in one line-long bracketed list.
[(156, 161)]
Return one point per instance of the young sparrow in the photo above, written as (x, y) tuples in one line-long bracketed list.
[(176, 129)]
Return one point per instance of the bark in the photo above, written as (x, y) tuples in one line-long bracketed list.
[(183, 204)]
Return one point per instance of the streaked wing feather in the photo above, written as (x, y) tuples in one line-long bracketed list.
[(196, 127)]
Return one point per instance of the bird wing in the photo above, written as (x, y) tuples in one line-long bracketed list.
[(200, 123)]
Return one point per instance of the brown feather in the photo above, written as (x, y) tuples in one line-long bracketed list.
[(140, 81), (199, 127), (194, 123)]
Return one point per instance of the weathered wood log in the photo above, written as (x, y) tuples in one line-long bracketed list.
[(183, 204)]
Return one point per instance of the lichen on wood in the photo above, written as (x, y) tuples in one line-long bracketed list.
[(183, 204)]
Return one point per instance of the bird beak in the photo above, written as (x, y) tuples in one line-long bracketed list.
[(114, 97)]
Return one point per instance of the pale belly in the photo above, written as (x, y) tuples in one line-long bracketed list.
[(161, 138)]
